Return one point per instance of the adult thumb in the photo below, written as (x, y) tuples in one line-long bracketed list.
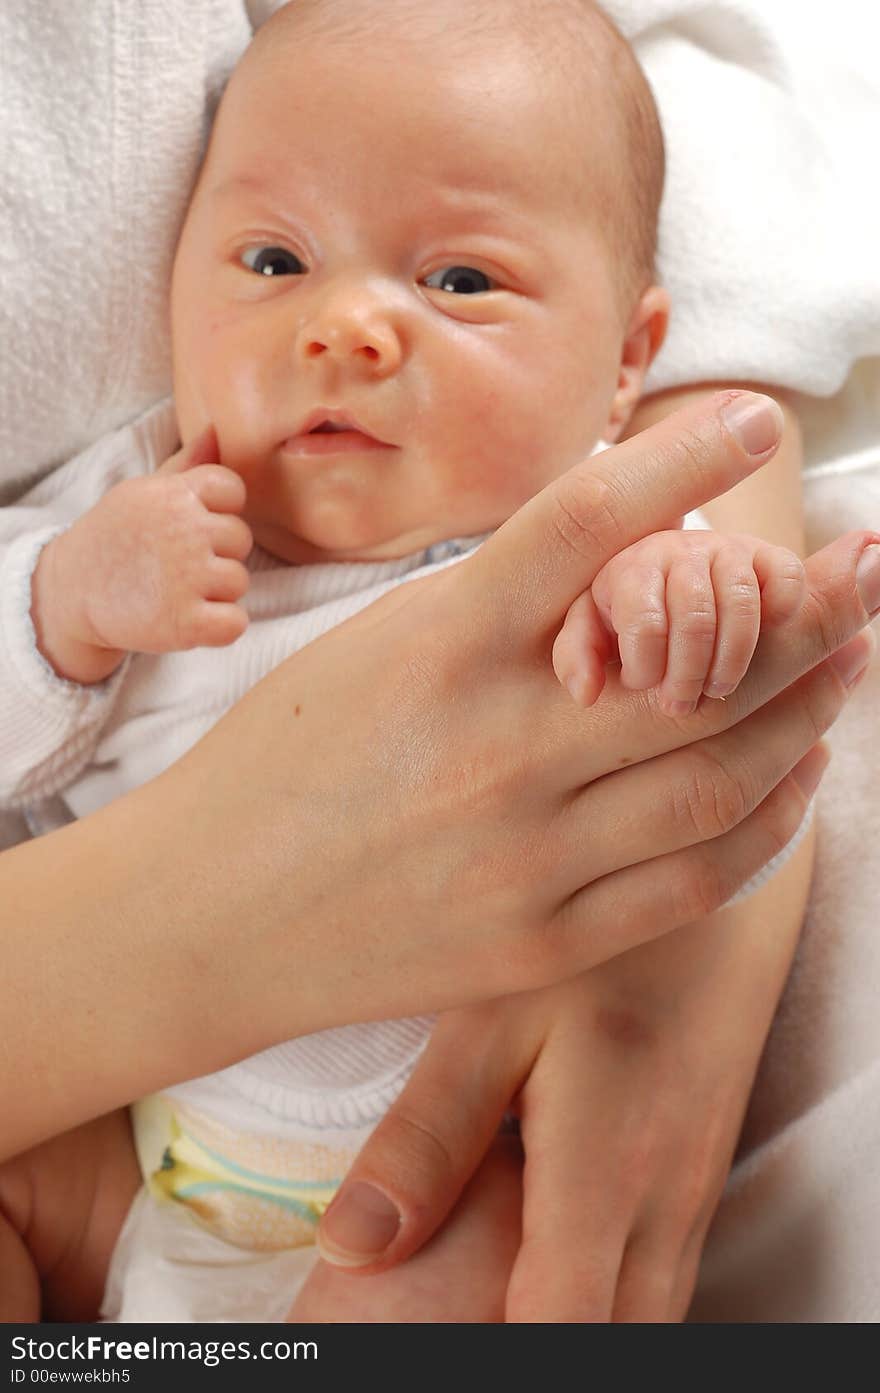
[(415, 1165)]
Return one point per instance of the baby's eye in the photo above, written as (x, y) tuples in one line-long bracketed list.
[(272, 261), (460, 280)]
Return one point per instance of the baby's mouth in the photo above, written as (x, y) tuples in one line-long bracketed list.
[(331, 432)]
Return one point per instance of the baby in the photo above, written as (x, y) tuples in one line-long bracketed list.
[(415, 284)]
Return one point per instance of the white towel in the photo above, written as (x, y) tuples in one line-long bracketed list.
[(102, 117), (771, 113)]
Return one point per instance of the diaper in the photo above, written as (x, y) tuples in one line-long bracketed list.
[(223, 1228), (168, 1267)]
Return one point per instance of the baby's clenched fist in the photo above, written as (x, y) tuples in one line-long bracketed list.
[(156, 566), (682, 611)]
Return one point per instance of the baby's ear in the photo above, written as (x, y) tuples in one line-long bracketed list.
[(644, 336)]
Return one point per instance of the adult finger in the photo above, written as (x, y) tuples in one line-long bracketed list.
[(641, 902), (700, 792), (644, 1285), (536, 564), (413, 1168), (577, 1204), (686, 1275)]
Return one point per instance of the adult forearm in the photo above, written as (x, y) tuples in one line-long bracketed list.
[(125, 967)]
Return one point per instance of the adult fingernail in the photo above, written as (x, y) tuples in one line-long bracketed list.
[(868, 578), (852, 659), (754, 420), (358, 1226)]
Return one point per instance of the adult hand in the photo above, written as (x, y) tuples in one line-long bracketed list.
[(643, 1086), (447, 828), (630, 1081), (491, 837)]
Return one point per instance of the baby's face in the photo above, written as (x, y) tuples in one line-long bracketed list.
[(392, 298)]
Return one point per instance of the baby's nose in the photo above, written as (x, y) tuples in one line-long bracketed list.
[(352, 333)]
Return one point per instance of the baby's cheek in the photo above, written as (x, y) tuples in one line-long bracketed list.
[(509, 479)]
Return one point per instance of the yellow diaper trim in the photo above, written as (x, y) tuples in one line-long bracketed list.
[(257, 1192)]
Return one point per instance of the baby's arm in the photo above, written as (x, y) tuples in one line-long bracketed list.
[(683, 611), (155, 566)]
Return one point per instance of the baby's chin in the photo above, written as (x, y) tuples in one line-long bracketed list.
[(332, 543)]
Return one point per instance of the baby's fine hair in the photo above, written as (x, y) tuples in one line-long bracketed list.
[(574, 39)]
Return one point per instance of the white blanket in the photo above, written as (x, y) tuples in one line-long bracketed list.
[(768, 244)]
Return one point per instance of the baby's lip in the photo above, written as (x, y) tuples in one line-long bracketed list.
[(324, 423)]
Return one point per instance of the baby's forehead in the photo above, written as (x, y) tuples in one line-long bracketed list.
[(569, 45), (471, 163), (557, 109)]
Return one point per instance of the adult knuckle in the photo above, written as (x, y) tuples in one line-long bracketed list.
[(584, 516), (711, 799), (416, 1151), (828, 626), (691, 450)]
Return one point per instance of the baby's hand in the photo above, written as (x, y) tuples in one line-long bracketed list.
[(683, 611), (155, 567)]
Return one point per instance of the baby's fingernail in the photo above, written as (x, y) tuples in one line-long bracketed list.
[(718, 690), (868, 578), (754, 420), (851, 661), (358, 1227), (679, 708)]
